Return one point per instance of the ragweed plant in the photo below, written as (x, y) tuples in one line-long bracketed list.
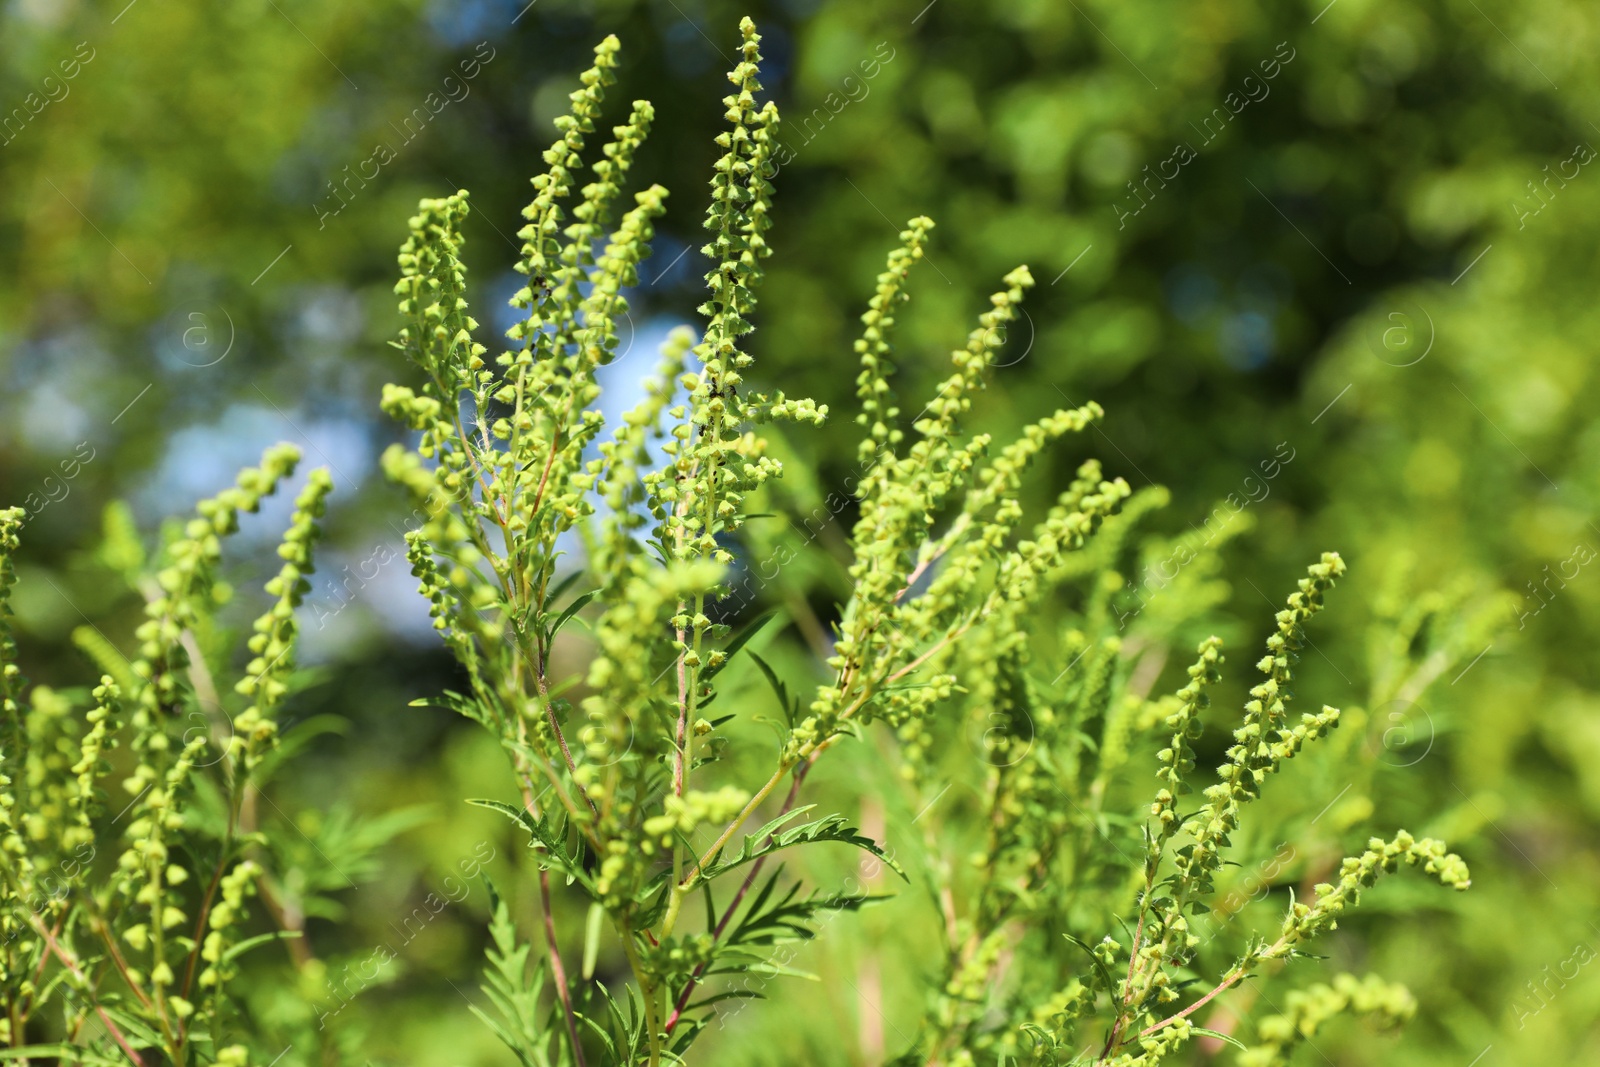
[(131, 848), (535, 521)]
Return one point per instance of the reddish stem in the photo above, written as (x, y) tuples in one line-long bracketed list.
[(71, 965), (27, 1005), (557, 970)]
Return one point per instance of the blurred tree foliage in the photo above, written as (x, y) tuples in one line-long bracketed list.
[(1356, 234)]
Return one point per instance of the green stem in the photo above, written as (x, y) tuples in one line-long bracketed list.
[(681, 889)]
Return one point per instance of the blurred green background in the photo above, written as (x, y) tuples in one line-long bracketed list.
[(1360, 234)]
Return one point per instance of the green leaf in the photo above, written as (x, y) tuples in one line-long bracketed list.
[(777, 970), (510, 987), (591, 939), (626, 1031), (106, 656), (778, 687), (1235, 1042), (121, 550), (787, 920), (468, 707), (520, 816), (26, 1051), (562, 586), (260, 939), (138, 1034), (829, 828), (571, 610), (788, 816), (729, 994), (545, 834)]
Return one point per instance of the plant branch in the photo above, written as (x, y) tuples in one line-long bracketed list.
[(71, 965), (557, 970)]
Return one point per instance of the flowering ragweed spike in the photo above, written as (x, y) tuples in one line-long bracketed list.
[(617, 270), (104, 722), (1004, 475), (541, 249), (953, 397), (1260, 748), (590, 220), (1306, 1010), (720, 463), (266, 675), (432, 288), (878, 414), (884, 631), (1306, 920), (633, 493), (11, 680), (226, 914), (1177, 759), (185, 585), (1261, 745), (14, 850)]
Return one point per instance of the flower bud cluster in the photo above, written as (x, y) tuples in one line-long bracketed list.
[(1306, 1010), (1306, 920)]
